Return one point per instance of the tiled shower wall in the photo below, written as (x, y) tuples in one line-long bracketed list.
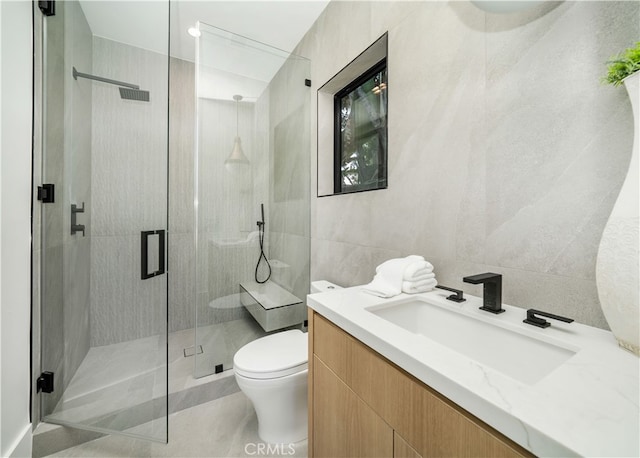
[(182, 270), (274, 139), (78, 188), (229, 204), (129, 192), (123, 150), (226, 217), (506, 153), (65, 258), (287, 169)]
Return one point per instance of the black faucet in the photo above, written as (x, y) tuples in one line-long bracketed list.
[(492, 295)]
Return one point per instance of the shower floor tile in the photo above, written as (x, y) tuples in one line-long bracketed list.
[(209, 416), (122, 385)]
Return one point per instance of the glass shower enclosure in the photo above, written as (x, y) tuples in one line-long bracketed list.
[(103, 216), (252, 171)]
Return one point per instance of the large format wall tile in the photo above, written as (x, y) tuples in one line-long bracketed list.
[(77, 300), (123, 306), (52, 319), (77, 190), (181, 146), (346, 264), (505, 151), (181, 250), (574, 157), (182, 281), (128, 192), (63, 308), (129, 142), (52, 215)]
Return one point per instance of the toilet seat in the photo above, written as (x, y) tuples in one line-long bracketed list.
[(273, 356)]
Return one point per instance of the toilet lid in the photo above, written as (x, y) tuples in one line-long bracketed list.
[(276, 355)]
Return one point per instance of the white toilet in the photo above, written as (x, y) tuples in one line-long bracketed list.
[(272, 372)]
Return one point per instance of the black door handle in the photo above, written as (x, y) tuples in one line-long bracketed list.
[(144, 254)]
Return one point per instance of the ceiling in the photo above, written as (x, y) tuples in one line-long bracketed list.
[(228, 64), (144, 24)]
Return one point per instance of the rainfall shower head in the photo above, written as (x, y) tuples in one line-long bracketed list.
[(134, 94), (127, 91)]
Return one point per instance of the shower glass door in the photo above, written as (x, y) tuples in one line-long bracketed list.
[(103, 252), (252, 165)]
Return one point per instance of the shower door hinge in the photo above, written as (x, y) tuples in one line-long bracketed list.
[(45, 382), (48, 7), (47, 193)]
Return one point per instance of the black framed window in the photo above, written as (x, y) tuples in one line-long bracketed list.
[(360, 132)]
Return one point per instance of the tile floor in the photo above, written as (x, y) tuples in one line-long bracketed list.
[(115, 383), (120, 387), (225, 427)]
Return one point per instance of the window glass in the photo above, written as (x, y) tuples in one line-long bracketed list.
[(360, 153)]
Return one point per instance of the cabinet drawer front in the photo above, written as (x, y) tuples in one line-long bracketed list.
[(343, 425), (332, 345), (401, 449)]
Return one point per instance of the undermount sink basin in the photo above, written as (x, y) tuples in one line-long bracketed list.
[(512, 353)]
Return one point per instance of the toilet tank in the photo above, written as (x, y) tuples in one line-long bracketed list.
[(321, 286)]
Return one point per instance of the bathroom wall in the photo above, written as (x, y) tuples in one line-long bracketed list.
[(52, 215), (114, 306), (288, 165), (506, 153), (229, 204), (129, 192), (182, 268), (67, 164), (77, 189), (226, 217), (227, 213), (273, 125)]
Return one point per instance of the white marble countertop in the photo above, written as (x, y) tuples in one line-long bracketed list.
[(588, 406)]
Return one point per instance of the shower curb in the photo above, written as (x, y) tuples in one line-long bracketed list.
[(57, 438)]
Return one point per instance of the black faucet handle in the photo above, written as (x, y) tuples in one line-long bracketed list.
[(533, 320), (457, 297)]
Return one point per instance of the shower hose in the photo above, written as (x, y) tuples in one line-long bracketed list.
[(261, 225)]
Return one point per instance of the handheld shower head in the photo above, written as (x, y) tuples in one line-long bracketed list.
[(261, 222)]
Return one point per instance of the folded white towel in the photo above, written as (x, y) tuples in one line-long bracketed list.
[(418, 268), (418, 287), (381, 288), (402, 263), (388, 279), (421, 277)]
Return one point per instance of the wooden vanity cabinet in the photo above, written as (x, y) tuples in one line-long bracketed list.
[(362, 405)]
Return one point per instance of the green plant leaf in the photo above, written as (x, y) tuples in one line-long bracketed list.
[(623, 65)]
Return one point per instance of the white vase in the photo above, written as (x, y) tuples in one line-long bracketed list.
[(617, 264)]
